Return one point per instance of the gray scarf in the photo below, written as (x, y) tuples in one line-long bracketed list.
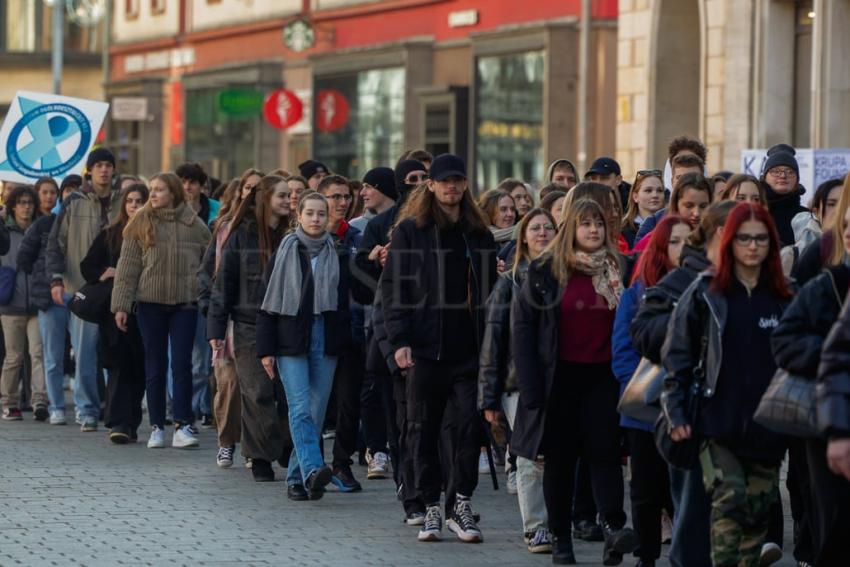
[(283, 295)]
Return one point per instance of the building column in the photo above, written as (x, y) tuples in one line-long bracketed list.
[(831, 79)]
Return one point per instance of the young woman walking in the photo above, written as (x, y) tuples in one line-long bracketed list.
[(302, 328), (563, 319), (645, 199), (160, 256), (732, 311), (497, 380), (499, 208), (237, 294), (121, 353)]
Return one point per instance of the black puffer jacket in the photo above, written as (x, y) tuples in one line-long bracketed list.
[(238, 288), (649, 327), (798, 340), (535, 317), (31, 260), (834, 379), (496, 366), (412, 286)]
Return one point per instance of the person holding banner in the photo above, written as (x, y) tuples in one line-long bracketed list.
[(83, 215)]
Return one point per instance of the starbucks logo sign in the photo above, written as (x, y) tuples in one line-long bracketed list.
[(298, 35)]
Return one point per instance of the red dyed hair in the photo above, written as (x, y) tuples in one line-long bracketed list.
[(654, 262), (771, 267)]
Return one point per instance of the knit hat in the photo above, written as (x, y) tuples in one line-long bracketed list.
[(311, 167), (98, 155), (382, 179), (403, 168), (72, 180), (779, 158)]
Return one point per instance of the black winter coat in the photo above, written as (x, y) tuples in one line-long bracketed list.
[(281, 335), (834, 379), (365, 272), (813, 259), (496, 366), (649, 327), (798, 340), (31, 260), (239, 288), (535, 316), (412, 286), (783, 209)]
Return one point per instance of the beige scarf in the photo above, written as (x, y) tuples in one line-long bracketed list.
[(604, 273)]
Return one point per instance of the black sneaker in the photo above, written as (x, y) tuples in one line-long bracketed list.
[(12, 414), (344, 479), (618, 542), (562, 551), (316, 482), (120, 435), (415, 519), (41, 413), (462, 523), (296, 492), (262, 471), (207, 421), (134, 435), (588, 530), (432, 528)]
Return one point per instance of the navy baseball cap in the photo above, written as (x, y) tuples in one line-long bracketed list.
[(447, 165), (604, 166)]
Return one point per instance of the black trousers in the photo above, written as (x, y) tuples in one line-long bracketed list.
[(584, 508), (348, 382), (830, 517), (432, 388), (126, 385), (650, 492), (375, 414), (586, 424), (403, 470), (799, 493)]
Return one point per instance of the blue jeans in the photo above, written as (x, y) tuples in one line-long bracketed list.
[(84, 336), (158, 323), (52, 324), (691, 545), (307, 381), (201, 369)]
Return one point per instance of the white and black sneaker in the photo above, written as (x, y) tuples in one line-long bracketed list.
[(540, 542), (224, 459), (462, 522), (415, 519), (432, 529)]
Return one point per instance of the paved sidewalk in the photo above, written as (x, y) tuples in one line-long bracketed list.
[(72, 498)]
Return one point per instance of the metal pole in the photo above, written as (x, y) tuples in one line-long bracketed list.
[(584, 84), (107, 36), (58, 46)]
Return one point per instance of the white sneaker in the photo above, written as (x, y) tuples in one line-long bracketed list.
[(770, 554), (157, 438), (511, 484), (483, 464), (57, 417), (184, 437), (378, 466)]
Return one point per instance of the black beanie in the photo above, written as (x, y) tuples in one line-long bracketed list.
[(403, 168), (311, 167), (382, 179), (782, 148), (98, 155), (779, 158)]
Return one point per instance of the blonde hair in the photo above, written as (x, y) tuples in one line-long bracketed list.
[(838, 226), (561, 252), (141, 226)]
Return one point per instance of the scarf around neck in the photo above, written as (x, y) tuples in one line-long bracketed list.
[(283, 294), (604, 273), (503, 234)]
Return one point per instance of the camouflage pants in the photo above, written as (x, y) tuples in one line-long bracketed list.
[(742, 492)]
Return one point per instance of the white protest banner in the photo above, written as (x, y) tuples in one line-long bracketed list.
[(46, 135), (816, 166)]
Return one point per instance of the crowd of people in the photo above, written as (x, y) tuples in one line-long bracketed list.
[(440, 336)]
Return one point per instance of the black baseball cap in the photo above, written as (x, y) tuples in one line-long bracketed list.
[(447, 165), (604, 166)]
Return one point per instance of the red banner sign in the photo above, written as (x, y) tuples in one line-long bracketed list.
[(283, 109), (331, 110)]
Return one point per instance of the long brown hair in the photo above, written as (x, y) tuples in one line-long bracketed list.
[(605, 196), (736, 181), (836, 255), (232, 197), (633, 209), (114, 232), (521, 253), (489, 203), (141, 226), (423, 208), (561, 252), (255, 209)]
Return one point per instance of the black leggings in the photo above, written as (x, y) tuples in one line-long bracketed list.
[(582, 421)]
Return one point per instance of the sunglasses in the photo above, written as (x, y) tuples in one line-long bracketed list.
[(419, 178), (647, 172)]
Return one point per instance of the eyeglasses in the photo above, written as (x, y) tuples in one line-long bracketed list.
[(785, 172), (416, 178), (746, 239), (26, 203), (647, 172), (536, 227), (340, 197)]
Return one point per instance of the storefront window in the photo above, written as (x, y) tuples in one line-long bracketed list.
[(25, 26), (358, 121), (222, 142), (509, 118)]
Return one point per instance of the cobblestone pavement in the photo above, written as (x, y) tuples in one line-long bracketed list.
[(72, 498)]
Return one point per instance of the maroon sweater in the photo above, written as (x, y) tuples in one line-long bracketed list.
[(586, 324)]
